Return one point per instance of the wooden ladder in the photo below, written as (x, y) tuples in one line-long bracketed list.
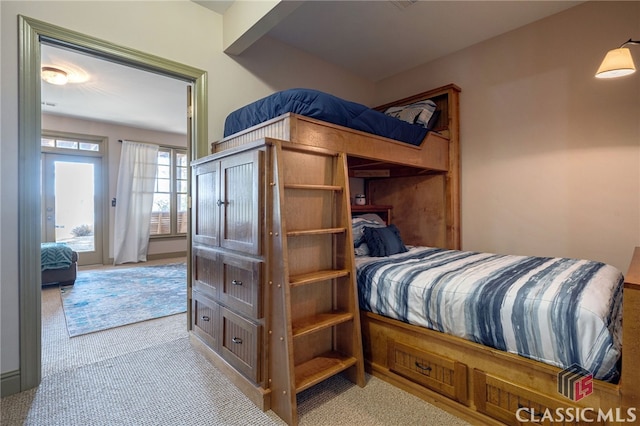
[(315, 328)]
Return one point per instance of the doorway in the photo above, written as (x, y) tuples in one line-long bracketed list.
[(31, 34), (72, 203)]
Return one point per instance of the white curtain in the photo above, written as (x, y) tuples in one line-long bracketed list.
[(134, 201)]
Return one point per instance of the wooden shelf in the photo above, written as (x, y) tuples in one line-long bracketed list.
[(321, 368), (319, 322), (316, 276), (382, 209), (316, 311), (369, 208), (315, 187), (316, 232)]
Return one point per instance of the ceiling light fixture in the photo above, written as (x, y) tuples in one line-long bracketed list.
[(54, 76), (618, 62)]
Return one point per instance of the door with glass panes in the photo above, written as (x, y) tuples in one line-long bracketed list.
[(72, 204)]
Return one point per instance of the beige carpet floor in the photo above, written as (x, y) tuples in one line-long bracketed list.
[(148, 374)]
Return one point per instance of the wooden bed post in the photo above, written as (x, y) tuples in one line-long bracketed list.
[(630, 381), (452, 191)]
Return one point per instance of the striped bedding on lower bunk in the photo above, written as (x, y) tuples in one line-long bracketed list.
[(555, 310)]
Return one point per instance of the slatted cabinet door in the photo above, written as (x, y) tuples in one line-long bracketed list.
[(227, 202), (240, 201), (205, 213)]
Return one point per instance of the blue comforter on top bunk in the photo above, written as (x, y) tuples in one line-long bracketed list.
[(325, 107)]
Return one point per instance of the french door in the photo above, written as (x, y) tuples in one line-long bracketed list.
[(72, 204)]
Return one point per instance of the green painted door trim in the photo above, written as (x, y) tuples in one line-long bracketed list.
[(31, 33)]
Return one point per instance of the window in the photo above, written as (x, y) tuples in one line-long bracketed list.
[(70, 144), (169, 214)]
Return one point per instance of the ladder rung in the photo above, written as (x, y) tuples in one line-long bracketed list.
[(319, 231), (320, 322), (320, 368), (317, 276), (314, 187)]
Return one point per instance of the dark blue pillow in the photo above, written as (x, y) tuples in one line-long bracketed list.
[(384, 241)]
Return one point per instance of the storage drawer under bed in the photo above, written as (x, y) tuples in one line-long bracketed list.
[(443, 375), (517, 405)]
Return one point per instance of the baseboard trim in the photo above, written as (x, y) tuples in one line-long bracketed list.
[(10, 383), (159, 256)]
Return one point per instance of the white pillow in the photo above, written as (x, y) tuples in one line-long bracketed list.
[(357, 225), (373, 217)]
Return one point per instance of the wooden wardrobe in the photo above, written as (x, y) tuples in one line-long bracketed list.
[(273, 273)]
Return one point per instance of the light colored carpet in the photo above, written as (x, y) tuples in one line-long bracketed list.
[(148, 374)]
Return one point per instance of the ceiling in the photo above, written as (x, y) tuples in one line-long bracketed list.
[(114, 93), (372, 39), (378, 39)]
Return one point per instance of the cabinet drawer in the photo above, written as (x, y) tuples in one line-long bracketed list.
[(206, 320), (206, 274), (440, 374), (239, 343), (517, 405), (240, 286)]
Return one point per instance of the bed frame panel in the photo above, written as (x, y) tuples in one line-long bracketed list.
[(431, 154)]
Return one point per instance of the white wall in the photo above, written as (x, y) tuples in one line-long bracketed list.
[(550, 155), (180, 31), (114, 133)]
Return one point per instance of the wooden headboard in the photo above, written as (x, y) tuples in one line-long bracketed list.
[(426, 203), (442, 100)]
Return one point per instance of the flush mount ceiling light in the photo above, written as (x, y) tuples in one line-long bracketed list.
[(618, 62), (54, 76)]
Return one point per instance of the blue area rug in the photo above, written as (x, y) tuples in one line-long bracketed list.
[(104, 299)]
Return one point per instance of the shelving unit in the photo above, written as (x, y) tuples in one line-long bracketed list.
[(322, 336), (274, 300)]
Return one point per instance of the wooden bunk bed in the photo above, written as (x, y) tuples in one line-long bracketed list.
[(300, 160)]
